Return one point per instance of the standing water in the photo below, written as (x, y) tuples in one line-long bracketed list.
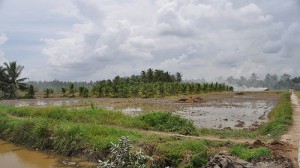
[(15, 157)]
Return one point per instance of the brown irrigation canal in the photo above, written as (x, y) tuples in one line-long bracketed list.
[(13, 156)]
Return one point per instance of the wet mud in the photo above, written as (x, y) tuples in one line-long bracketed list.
[(218, 110)]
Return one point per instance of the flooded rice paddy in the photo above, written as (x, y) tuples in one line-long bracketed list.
[(217, 111)]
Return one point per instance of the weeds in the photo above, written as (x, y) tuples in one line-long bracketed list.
[(166, 121), (244, 152)]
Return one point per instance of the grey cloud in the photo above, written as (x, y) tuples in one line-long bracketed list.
[(272, 47), (93, 40)]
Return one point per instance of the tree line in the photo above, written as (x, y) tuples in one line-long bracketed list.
[(149, 83), (270, 81)]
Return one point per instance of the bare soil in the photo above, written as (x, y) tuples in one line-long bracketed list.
[(292, 137)]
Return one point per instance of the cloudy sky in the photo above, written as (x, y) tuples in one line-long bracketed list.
[(98, 39)]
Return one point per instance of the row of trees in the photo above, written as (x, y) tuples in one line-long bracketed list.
[(271, 81), (154, 89)]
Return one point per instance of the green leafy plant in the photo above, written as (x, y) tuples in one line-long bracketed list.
[(48, 92), (123, 156), (30, 92)]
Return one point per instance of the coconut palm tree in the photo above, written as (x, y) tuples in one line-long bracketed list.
[(12, 73)]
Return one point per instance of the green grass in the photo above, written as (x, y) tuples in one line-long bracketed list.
[(280, 118), (90, 131), (245, 152), (298, 94), (229, 133), (161, 121), (166, 121), (176, 150)]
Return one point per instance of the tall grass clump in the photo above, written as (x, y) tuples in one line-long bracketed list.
[(280, 118), (245, 152), (166, 121), (180, 153)]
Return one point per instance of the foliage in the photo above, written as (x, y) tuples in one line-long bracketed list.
[(125, 88), (244, 152), (10, 79), (48, 92), (64, 91), (72, 90), (30, 92), (280, 118), (271, 81), (122, 156), (165, 121), (83, 91), (176, 150)]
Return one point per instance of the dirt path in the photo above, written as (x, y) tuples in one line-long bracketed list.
[(204, 137), (292, 137)]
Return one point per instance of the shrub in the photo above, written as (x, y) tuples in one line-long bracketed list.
[(123, 156), (165, 121)]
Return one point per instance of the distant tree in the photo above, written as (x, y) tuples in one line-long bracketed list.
[(178, 77), (64, 91), (150, 75), (83, 91), (30, 92), (72, 90), (48, 92)]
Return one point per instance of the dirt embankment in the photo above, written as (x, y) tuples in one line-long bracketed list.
[(292, 137)]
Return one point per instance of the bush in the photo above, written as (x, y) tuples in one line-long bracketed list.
[(165, 121), (122, 156)]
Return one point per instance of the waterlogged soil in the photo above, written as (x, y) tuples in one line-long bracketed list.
[(238, 111), (218, 110)]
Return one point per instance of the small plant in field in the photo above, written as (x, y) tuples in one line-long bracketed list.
[(83, 91), (30, 92), (72, 90), (123, 156), (64, 92), (48, 92)]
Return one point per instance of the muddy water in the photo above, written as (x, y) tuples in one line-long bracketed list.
[(229, 113), (12, 156)]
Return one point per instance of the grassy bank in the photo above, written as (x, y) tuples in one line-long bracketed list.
[(89, 133), (280, 119)]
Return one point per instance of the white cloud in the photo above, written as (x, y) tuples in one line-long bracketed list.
[(92, 40), (3, 39)]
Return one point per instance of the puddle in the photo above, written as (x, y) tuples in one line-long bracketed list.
[(44, 102), (132, 111), (248, 114)]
